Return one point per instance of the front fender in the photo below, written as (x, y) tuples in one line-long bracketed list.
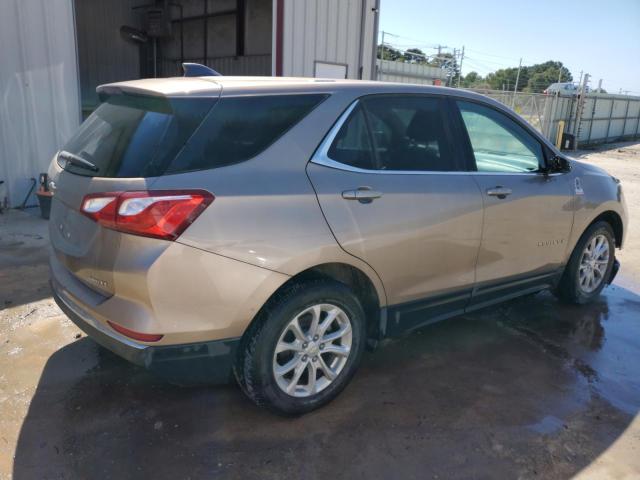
[(595, 194)]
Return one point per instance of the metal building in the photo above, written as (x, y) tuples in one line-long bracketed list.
[(39, 102), (55, 53)]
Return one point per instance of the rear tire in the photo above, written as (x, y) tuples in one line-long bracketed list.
[(318, 328), (589, 267)]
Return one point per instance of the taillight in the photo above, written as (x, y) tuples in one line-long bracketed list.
[(143, 337), (161, 214)]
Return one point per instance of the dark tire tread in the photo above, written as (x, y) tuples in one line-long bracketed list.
[(246, 366), (567, 289)]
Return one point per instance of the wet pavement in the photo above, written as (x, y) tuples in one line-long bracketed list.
[(529, 389)]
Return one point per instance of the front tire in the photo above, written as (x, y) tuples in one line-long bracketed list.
[(589, 267), (304, 347)]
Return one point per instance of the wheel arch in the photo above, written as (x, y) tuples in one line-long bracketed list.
[(608, 213), (566, 288), (613, 219), (353, 277)]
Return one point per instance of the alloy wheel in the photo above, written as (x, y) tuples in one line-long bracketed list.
[(593, 263), (312, 350)]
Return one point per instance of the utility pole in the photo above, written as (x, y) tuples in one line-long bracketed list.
[(461, 60), (515, 89), (585, 82), (580, 107), (452, 67), (380, 69)]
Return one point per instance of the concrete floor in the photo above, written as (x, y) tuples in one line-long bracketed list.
[(529, 389)]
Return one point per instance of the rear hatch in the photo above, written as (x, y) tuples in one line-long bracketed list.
[(124, 145)]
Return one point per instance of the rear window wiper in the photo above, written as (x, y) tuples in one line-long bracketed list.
[(77, 161)]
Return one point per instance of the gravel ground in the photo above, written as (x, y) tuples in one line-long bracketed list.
[(529, 389)]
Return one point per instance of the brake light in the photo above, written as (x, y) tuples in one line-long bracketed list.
[(161, 214), (143, 337)]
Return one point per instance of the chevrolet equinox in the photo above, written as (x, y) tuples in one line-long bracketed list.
[(273, 227)]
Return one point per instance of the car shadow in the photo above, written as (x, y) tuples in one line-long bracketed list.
[(528, 388)]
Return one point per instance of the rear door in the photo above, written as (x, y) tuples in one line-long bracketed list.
[(129, 139), (528, 214), (390, 185)]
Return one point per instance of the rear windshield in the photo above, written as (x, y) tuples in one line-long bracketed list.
[(143, 136)]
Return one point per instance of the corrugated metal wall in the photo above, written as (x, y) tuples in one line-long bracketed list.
[(221, 41), (390, 71), (330, 31), (103, 55), (605, 117), (39, 100), (209, 30), (251, 65)]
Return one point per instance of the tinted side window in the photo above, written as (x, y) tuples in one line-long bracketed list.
[(408, 133), (352, 145), (239, 128), (499, 144)]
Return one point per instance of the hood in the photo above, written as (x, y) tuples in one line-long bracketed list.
[(589, 168)]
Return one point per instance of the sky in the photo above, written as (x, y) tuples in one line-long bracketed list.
[(600, 37)]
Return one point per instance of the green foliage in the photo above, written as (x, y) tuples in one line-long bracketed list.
[(385, 52), (545, 74), (415, 55), (534, 78), (472, 79)]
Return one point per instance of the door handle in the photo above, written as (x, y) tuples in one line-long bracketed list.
[(499, 191), (362, 194)]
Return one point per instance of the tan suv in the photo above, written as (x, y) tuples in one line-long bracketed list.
[(272, 227)]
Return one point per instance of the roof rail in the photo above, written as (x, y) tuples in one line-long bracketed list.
[(198, 70)]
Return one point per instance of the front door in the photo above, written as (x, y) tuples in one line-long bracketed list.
[(528, 214), (395, 196)]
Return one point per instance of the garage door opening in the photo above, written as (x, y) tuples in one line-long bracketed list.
[(130, 39)]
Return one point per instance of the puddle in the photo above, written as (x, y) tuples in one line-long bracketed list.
[(547, 425)]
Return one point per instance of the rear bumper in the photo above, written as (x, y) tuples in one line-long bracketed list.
[(210, 362)]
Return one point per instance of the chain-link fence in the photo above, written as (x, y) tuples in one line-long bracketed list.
[(531, 106), (591, 119)]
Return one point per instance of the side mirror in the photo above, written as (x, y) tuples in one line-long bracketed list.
[(558, 164)]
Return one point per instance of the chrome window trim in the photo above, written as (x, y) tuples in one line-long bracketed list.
[(321, 157)]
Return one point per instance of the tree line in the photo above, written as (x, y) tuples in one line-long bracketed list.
[(533, 78)]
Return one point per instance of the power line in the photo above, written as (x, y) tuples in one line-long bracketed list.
[(476, 61), (491, 55), (431, 45)]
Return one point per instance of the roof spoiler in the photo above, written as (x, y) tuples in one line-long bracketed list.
[(198, 70)]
